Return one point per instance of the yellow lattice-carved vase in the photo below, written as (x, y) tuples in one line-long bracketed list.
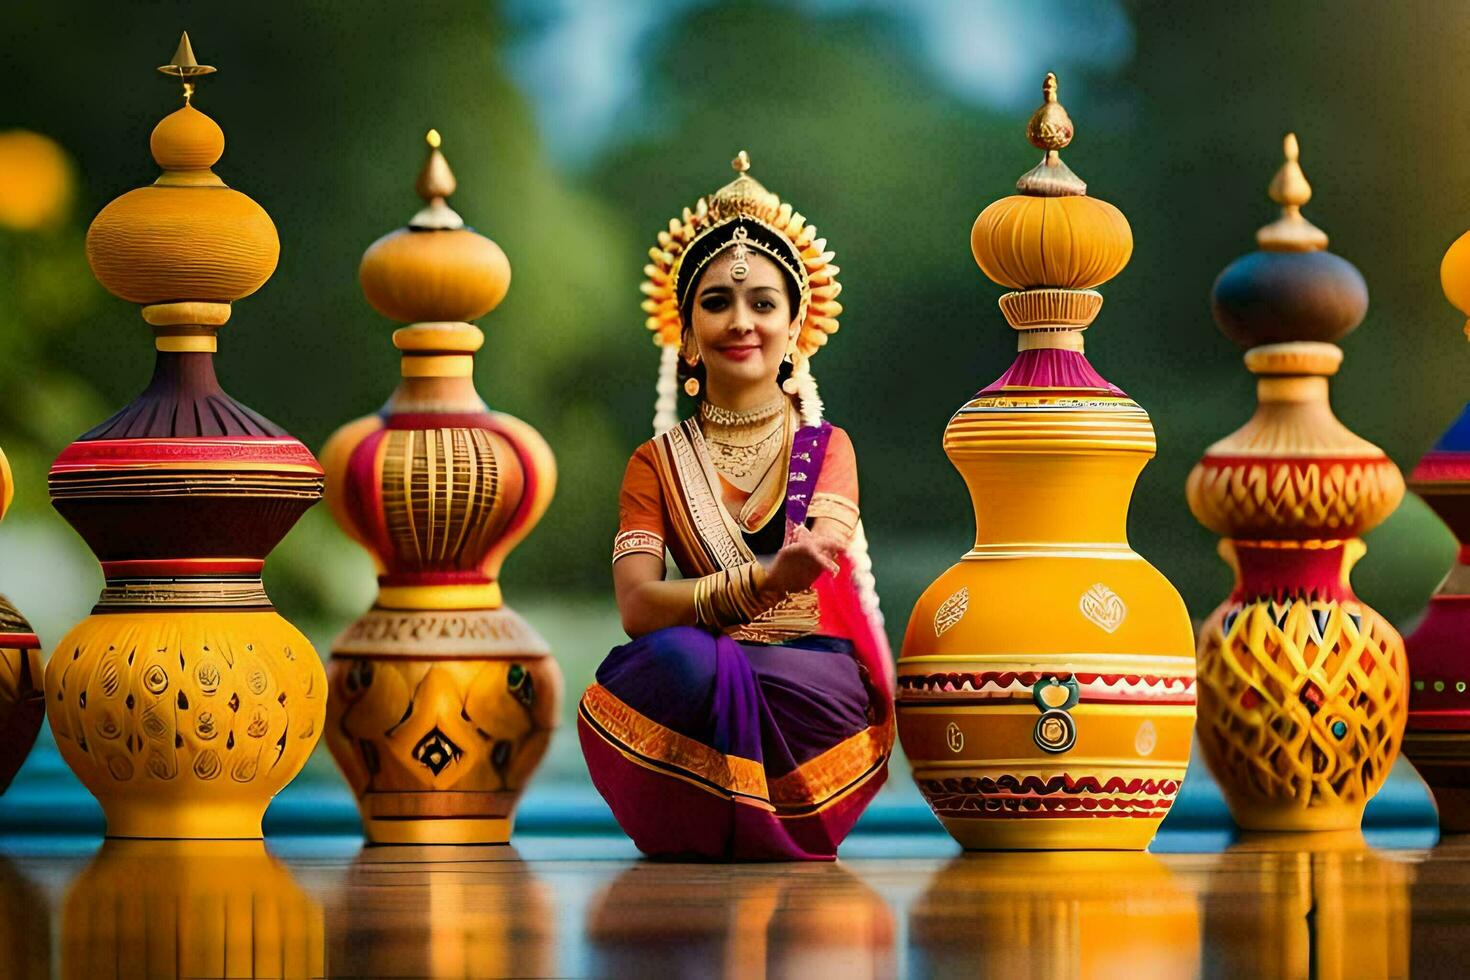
[(1303, 688), (1046, 684), (184, 702), (443, 698)]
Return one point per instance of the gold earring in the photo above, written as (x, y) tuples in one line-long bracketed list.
[(691, 387)]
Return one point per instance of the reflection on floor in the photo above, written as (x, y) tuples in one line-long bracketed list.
[(1323, 906)]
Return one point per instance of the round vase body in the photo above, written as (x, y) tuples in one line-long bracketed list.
[(185, 724), (438, 718), (1046, 684), (1302, 691)]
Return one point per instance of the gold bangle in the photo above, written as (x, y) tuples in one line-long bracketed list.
[(729, 597)]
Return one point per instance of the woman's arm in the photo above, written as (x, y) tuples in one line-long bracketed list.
[(646, 602)]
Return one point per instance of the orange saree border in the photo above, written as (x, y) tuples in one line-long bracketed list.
[(809, 788), (816, 782), (641, 736)]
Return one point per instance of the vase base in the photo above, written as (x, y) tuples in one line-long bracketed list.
[(1274, 816), (449, 830), (1053, 834), (174, 820)]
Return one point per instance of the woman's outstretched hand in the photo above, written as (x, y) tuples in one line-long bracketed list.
[(798, 564)]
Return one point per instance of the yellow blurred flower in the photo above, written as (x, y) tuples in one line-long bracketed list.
[(35, 180)]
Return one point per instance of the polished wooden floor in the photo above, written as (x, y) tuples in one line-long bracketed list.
[(586, 906)]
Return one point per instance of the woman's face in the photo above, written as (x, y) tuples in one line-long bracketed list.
[(743, 327)]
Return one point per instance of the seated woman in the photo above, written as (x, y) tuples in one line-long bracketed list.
[(751, 716)]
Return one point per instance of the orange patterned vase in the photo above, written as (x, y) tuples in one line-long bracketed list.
[(1303, 687), (184, 702), (1046, 685), (443, 698), (1438, 737)]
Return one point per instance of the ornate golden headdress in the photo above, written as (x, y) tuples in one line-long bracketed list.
[(745, 205)]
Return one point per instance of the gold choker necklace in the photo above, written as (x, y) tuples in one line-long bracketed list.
[(731, 418), (742, 445)]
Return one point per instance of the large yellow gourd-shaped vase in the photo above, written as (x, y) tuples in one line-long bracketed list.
[(1303, 688), (184, 702), (1046, 684), (443, 698)]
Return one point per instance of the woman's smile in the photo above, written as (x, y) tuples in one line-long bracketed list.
[(740, 350)]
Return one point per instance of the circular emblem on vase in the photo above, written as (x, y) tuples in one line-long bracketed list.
[(1055, 731)]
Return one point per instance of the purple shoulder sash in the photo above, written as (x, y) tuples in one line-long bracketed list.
[(808, 450)]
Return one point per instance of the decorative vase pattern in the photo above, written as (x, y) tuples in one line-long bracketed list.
[(184, 702), (1437, 739), (1303, 687), (443, 699), (1046, 684)]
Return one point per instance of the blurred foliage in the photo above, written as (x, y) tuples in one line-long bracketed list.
[(324, 106)]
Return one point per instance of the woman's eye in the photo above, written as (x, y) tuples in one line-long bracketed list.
[(764, 305), (713, 304)]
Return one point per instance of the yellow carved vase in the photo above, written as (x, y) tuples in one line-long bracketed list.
[(443, 698), (1046, 684), (184, 702)]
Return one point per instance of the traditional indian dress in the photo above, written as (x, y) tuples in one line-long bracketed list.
[(765, 739)]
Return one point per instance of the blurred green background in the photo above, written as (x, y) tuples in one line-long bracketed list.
[(577, 127)]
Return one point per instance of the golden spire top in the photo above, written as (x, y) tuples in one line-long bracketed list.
[(435, 183), (742, 196), (1289, 188), (185, 66), (1050, 129)]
